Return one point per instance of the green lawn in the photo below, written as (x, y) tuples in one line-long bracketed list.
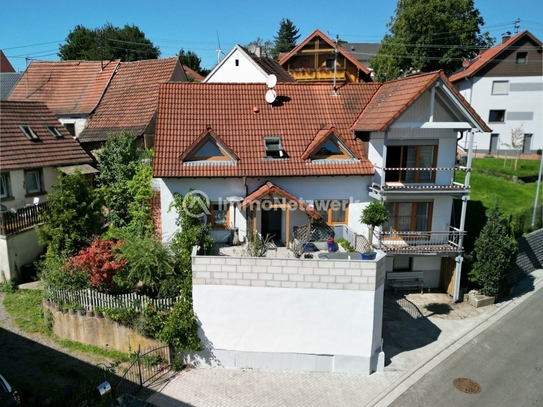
[(524, 167)]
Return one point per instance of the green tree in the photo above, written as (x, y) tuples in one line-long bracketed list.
[(266, 46), (193, 61), (118, 163), (108, 42), (494, 254), (374, 214), (286, 38), (429, 35), (74, 215)]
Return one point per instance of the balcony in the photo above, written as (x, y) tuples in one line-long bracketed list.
[(17, 220), (320, 74), (421, 243)]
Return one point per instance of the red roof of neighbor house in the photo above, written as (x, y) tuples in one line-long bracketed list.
[(490, 54), (67, 87), (131, 99), (394, 97), (228, 109), (318, 33), (192, 73), (5, 65), (19, 152)]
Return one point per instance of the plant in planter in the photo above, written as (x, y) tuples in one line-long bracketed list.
[(369, 254), (374, 215)]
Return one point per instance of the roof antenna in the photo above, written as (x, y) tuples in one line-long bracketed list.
[(517, 25), (335, 65)]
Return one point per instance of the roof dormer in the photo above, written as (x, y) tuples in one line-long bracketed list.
[(208, 147)]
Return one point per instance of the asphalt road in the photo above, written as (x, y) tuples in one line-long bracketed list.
[(506, 360)]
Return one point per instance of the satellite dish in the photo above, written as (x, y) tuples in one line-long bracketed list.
[(271, 81), (270, 96), (252, 48)]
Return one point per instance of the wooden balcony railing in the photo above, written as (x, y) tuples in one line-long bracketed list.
[(303, 74), (421, 242), (14, 221)]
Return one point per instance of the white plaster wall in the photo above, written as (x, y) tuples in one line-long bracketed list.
[(245, 72), (479, 94), (18, 187), (430, 265), (17, 250), (79, 123), (286, 320)]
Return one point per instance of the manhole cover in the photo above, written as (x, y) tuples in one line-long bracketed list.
[(467, 385)]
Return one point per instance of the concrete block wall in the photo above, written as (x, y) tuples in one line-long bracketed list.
[(289, 273), (530, 256)]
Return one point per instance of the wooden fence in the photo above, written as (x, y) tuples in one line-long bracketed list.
[(90, 300), (22, 218)]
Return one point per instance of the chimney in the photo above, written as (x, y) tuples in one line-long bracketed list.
[(257, 52), (506, 36)]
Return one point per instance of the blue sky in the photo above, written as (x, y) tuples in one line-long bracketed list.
[(34, 29)]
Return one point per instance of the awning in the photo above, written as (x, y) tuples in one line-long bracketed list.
[(83, 168)]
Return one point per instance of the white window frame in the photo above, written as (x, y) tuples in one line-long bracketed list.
[(500, 87), (4, 180), (37, 179)]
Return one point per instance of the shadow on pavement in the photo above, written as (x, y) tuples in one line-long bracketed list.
[(404, 327)]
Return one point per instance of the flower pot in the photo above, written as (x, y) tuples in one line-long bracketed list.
[(369, 256)]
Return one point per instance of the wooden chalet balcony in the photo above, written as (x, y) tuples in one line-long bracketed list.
[(14, 221), (421, 243), (320, 74)]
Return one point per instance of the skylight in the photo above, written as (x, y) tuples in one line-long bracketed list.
[(29, 133), (273, 147), (54, 131)]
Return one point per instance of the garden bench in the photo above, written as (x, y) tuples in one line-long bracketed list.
[(408, 279)]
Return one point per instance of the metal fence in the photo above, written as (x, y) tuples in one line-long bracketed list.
[(91, 299)]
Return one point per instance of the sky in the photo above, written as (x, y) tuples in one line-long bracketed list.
[(34, 29)]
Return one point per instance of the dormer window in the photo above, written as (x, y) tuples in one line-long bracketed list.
[(330, 150), (54, 131), (208, 150), (273, 147), (29, 133)]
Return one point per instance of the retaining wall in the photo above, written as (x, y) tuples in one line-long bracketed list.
[(530, 256)]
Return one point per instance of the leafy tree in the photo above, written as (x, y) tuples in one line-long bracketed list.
[(286, 38), (494, 254), (118, 163), (73, 217), (193, 61), (266, 46), (429, 35), (374, 214), (516, 144), (99, 261), (128, 44)]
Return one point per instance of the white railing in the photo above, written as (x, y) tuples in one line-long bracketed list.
[(90, 300)]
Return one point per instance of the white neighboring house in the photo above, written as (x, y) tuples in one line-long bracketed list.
[(35, 146), (504, 85), (312, 159), (243, 65)]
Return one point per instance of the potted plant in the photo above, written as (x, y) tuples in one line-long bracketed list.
[(369, 254), (374, 215)]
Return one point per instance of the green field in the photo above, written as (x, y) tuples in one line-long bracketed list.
[(507, 167)]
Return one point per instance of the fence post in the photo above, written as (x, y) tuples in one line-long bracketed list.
[(139, 366)]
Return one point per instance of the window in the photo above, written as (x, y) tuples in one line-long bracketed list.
[(401, 263), (54, 131), (273, 147), (329, 63), (330, 150), (500, 87), (411, 158), (33, 182), (70, 127), (29, 133), (236, 62), (208, 150), (4, 186), (408, 216), (218, 215), (333, 211), (527, 143), (522, 58), (496, 116)]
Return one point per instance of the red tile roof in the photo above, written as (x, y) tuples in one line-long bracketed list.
[(270, 189), (5, 65), (318, 33), (394, 97), (18, 152), (299, 113), (131, 100), (490, 54), (192, 73), (67, 87)]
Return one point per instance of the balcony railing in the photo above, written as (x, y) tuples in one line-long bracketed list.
[(14, 221), (421, 242), (310, 74)]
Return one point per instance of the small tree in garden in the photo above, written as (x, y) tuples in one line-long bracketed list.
[(374, 215), (516, 144), (494, 254)]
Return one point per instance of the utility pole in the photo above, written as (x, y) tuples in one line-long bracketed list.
[(537, 191)]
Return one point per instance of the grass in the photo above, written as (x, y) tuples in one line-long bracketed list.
[(496, 165), (25, 307), (108, 353)]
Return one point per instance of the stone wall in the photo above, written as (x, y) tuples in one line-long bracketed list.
[(530, 256), (98, 331)]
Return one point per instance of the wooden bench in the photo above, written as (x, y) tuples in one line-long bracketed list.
[(407, 279)]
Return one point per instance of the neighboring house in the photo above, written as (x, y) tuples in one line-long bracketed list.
[(192, 74), (130, 102), (314, 60), (8, 77), (35, 146), (70, 89), (362, 51), (504, 84), (243, 65), (311, 161)]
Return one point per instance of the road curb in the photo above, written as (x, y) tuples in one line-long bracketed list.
[(396, 389)]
